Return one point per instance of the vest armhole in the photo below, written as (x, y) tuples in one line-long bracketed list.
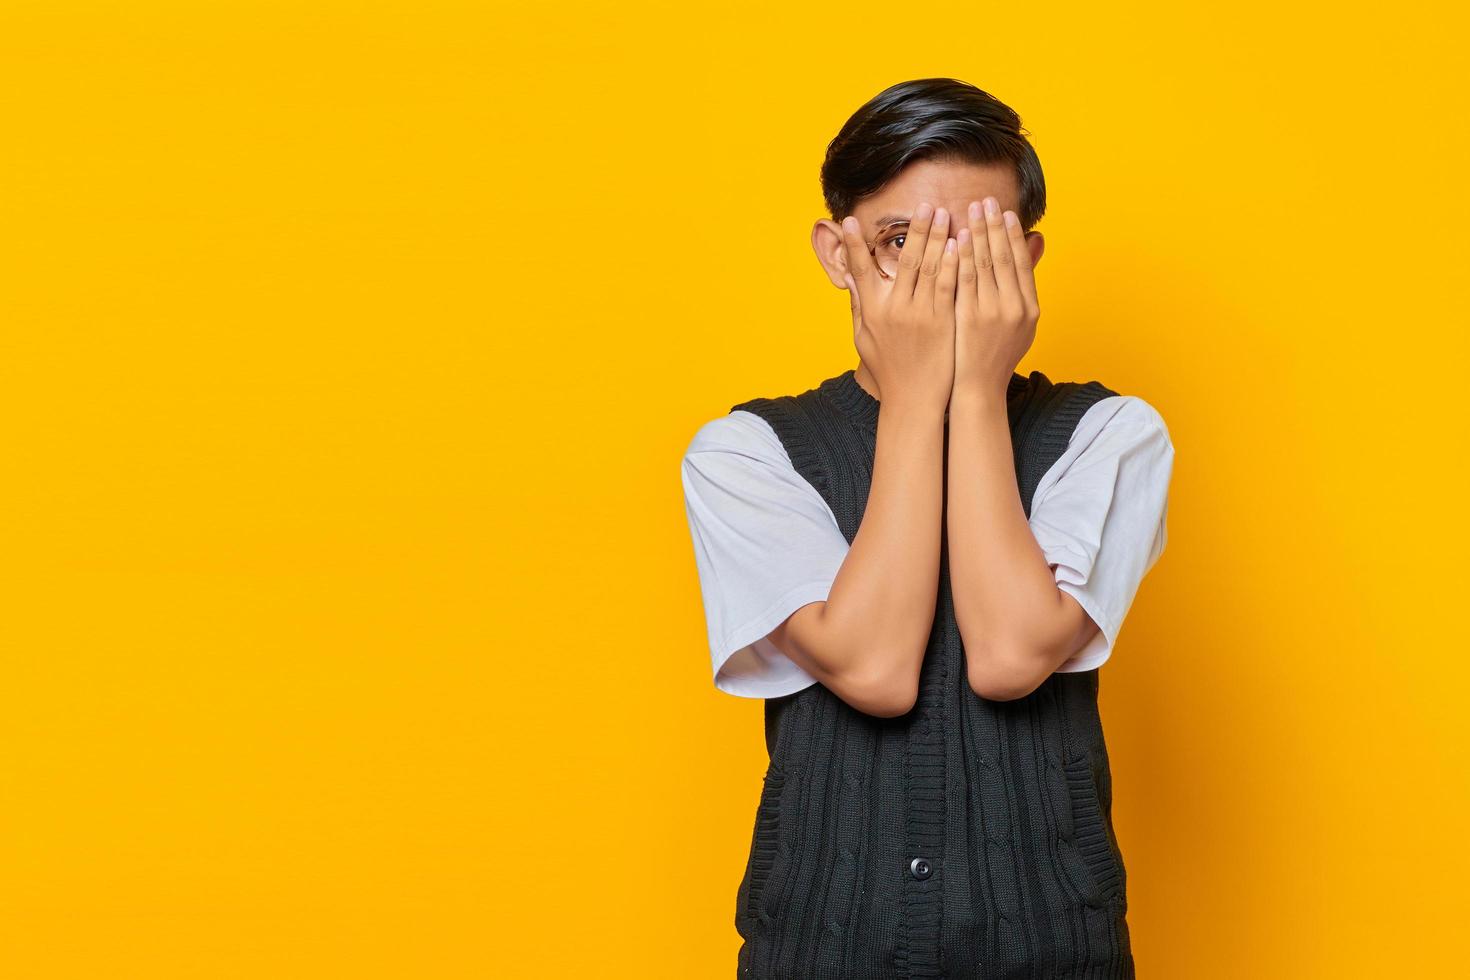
[(1064, 404), (780, 414)]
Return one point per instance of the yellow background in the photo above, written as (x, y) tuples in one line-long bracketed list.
[(350, 621)]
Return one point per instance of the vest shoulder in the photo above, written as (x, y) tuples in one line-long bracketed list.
[(1091, 388), (1121, 407), (789, 413), (766, 404)]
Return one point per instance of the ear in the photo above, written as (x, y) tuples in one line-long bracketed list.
[(827, 242), (1036, 244)]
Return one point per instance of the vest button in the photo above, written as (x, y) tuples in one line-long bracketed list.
[(920, 868)]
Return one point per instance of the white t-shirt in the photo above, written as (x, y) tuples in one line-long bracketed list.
[(766, 543)]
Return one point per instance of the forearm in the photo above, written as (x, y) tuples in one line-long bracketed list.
[(1005, 596), (882, 602)]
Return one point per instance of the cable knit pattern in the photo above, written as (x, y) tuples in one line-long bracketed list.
[(966, 838)]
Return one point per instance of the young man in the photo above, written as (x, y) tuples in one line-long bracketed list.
[(921, 564)]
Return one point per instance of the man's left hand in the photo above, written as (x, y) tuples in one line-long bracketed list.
[(995, 300)]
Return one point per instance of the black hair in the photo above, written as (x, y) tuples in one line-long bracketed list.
[(928, 119)]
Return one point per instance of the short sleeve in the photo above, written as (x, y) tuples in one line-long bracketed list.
[(765, 544), (1100, 514)]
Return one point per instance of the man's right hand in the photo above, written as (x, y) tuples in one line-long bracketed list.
[(904, 329)]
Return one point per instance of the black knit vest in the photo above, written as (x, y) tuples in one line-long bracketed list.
[(966, 838)]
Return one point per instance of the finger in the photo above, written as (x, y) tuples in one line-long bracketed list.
[(933, 253), (912, 255), (944, 284), (856, 302), (986, 298), (1025, 271), (860, 268), (965, 296), (1003, 262)]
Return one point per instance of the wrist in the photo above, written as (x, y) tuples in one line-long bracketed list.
[(978, 395), (918, 410)]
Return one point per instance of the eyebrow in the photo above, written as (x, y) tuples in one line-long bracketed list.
[(890, 219)]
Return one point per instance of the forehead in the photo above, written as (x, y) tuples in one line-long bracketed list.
[(946, 185)]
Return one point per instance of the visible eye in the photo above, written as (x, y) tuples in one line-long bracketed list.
[(893, 240)]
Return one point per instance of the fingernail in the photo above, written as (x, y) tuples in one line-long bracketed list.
[(850, 223), (990, 206), (1010, 217), (949, 246), (924, 210), (975, 209)]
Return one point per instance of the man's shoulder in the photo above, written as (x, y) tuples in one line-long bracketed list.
[(751, 424), (1113, 406), (1130, 410), (1135, 409), (738, 431), (1116, 423)]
